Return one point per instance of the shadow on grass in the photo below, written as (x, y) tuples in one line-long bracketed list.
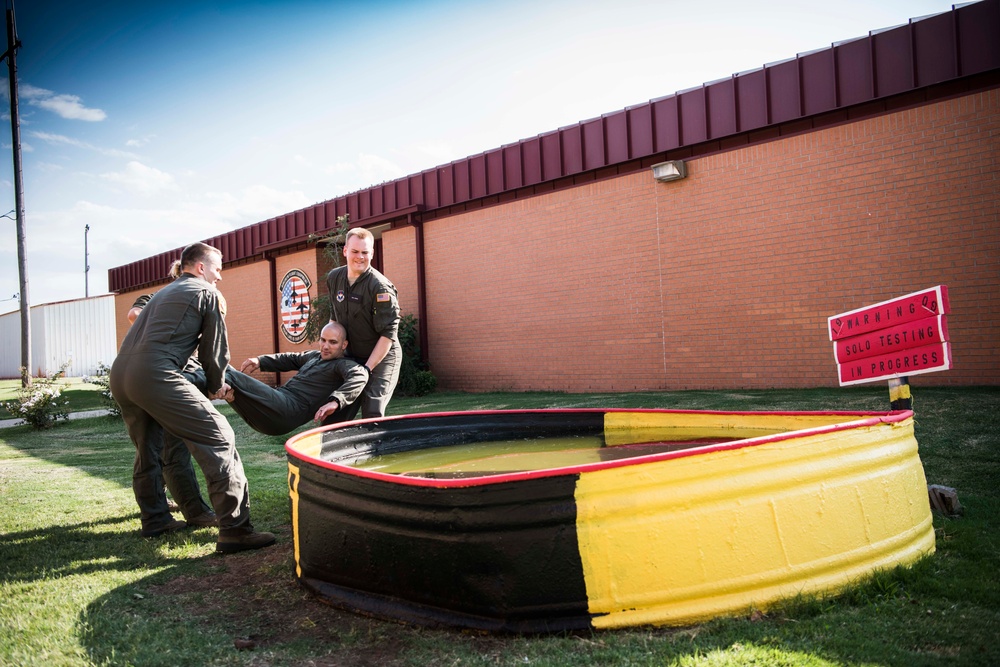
[(196, 609), (247, 610), (67, 550)]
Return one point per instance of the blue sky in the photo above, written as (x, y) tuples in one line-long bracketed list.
[(161, 123)]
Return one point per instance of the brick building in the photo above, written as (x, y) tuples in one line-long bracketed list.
[(832, 180)]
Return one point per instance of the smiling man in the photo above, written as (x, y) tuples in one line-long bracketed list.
[(364, 302)]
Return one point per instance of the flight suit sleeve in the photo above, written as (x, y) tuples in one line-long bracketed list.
[(355, 378), (141, 301), (281, 362), (213, 346), (385, 311)]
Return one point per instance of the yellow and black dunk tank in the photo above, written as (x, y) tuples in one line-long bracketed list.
[(549, 520)]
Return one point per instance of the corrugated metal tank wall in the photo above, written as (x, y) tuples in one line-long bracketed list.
[(81, 332)]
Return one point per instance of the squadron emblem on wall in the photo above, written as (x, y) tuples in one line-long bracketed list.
[(294, 305)]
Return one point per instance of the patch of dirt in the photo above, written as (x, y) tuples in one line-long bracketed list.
[(255, 596)]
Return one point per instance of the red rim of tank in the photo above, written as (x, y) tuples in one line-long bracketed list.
[(865, 418)]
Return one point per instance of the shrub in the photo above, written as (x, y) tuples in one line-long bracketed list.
[(414, 377), (39, 403), (103, 380)]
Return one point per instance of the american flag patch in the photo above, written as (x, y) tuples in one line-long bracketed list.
[(383, 296)]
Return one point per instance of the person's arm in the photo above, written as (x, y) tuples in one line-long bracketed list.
[(281, 362), (213, 348), (381, 349), (137, 307), (385, 321), (355, 378)]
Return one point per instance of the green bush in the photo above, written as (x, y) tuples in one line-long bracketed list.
[(419, 383), (103, 380), (415, 379), (41, 403)]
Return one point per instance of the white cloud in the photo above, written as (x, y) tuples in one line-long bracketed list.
[(66, 106), (438, 152), (60, 139), (367, 170), (25, 147), (139, 143), (254, 204), (340, 168), (141, 179)]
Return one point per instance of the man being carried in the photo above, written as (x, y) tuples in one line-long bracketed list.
[(326, 383)]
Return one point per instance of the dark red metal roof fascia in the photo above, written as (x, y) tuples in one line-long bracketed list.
[(923, 52)]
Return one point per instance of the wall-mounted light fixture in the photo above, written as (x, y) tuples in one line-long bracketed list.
[(674, 170)]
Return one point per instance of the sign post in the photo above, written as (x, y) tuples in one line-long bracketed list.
[(899, 394), (892, 340)]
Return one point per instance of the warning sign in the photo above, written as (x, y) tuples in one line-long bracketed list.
[(892, 339)]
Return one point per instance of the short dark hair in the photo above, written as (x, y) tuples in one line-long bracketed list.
[(197, 252)]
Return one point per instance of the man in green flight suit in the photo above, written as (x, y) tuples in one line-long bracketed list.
[(178, 473), (365, 303), (147, 383)]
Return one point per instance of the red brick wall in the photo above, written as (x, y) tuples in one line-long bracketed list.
[(725, 279), (248, 315), (123, 304), (722, 280), (400, 264)]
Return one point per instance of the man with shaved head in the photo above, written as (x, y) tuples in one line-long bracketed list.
[(323, 387)]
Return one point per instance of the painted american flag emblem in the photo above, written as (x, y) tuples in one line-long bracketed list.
[(294, 305)]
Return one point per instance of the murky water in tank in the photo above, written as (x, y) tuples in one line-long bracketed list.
[(498, 457)]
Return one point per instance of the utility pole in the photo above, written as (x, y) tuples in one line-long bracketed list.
[(22, 248), (86, 263)]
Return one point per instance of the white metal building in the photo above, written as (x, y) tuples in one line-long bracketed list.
[(81, 332)]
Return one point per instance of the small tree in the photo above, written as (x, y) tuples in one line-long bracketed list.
[(415, 379)]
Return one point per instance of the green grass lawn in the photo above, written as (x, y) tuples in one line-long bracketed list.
[(78, 586)]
